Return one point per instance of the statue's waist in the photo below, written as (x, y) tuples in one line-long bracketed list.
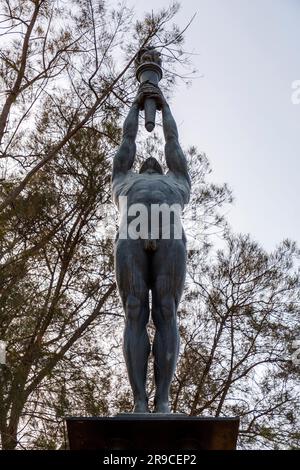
[(150, 221), (151, 228), (123, 233)]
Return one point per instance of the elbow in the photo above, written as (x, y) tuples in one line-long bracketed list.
[(171, 138), (127, 138)]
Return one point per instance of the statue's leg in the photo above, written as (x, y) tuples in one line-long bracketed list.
[(168, 269), (131, 273)]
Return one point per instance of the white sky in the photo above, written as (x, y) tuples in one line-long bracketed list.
[(240, 112)]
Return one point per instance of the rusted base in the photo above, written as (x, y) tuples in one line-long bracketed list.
[(142, 432)]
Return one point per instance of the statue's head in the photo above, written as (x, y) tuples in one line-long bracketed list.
[(151, 165)]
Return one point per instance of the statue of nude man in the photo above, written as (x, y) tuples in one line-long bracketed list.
[(145, 264)]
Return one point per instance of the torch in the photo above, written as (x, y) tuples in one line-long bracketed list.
[(148, 70)]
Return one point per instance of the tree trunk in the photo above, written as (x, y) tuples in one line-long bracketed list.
[(9, 438)]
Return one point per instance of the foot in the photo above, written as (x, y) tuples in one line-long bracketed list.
[(162, 407), (141, 407)]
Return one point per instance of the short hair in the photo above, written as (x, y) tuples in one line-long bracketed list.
[(153, 164)]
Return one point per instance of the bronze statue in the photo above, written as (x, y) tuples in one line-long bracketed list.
[(148, 263)]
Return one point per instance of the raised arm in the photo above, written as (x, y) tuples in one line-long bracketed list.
[(175, 157), (124, 157)]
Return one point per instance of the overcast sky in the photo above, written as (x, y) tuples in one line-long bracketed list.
[(240, 113)]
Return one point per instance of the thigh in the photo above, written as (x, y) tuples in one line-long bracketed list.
[(168, 270), (132, 269)]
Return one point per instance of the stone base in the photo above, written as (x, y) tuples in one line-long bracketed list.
[(152, 432), (152, 415)]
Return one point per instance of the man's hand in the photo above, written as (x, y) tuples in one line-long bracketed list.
[(148, 90)]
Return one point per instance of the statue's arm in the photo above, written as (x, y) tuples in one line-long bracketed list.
[(175, 157), (124, 157)]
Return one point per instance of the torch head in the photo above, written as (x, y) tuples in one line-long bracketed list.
[(148, 65), (148, 54)]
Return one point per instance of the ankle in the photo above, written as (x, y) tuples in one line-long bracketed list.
[(141, 406), (161, 405)]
